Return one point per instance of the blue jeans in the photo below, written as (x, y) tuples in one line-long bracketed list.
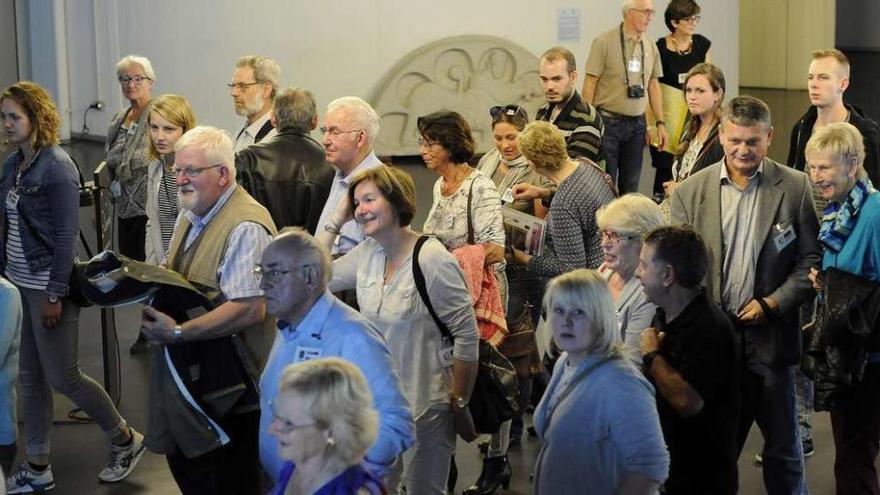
[(624, 143), (768, 399)]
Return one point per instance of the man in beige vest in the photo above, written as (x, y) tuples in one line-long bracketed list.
[(217, 241)]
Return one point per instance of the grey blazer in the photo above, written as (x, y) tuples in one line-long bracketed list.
[(784, 198)]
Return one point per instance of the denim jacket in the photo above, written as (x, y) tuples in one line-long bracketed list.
[(49, 202)]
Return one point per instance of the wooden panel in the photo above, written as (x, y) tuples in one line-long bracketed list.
[(763, 32)]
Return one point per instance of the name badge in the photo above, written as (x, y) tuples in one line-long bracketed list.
[(783, 237), (306, 354), (634, 65), (448, 222), (507, 197), (682, 77), (12, 199), (444, 355)]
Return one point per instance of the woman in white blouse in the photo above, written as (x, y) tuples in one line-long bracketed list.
[(437, 376), (446, 145)]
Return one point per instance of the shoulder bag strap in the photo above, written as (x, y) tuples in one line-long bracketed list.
[(422, 287), (470, 220)]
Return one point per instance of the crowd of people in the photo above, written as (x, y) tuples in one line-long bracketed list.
[(334, 347)]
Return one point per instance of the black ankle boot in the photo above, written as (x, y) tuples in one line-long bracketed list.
[(495, 474)]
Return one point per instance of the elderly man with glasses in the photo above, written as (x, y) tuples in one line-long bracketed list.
[(254, 83), (350, 128), (623, 72), (312, 323), (219, 236)]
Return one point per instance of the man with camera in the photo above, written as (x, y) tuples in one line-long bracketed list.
[(622, 77)]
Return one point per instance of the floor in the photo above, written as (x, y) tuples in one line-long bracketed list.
[(79, 451)]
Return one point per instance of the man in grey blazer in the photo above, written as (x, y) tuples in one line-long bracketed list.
[(758, 221)]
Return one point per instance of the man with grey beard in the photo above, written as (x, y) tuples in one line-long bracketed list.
[(253, 87)]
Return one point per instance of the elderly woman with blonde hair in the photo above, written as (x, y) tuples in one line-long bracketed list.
[(324, 422), (622, 224), (595, 398)]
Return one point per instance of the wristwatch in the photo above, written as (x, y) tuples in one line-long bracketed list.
[(332, 228), (659, 122), (53, 299), (460, 402), (648, 360), (177, 333)]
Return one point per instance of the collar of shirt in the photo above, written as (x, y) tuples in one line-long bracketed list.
[(369, 161), (253, 129), (725, 177), (314, 319), (198, 223)]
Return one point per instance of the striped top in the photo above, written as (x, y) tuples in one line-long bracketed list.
[(17, 269), (168, 208)]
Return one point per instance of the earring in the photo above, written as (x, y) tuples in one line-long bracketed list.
[(331, 442)]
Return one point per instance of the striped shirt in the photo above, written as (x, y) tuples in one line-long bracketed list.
[(168, 208), (581, 125), (17, 269)]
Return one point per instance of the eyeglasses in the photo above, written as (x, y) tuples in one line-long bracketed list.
[(191, 172), (241, 86), (512, 110), (692, 19), (615, 238), (137, 80), (427, 143), (285, 425), (334, 132), (274, 275), (646, 12)]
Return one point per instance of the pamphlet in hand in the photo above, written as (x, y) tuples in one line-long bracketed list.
[(524, 232)]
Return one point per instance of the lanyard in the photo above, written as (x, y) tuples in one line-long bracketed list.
[(623, 56)]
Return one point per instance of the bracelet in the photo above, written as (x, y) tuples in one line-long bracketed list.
[(177, 333), (332, 228), (648, 360)]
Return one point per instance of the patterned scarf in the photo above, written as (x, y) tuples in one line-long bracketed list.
[(839, 218)]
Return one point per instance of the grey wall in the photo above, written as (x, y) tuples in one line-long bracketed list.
[(8, 44), (857, 25)]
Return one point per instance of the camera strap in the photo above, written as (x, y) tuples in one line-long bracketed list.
[(623, 56)]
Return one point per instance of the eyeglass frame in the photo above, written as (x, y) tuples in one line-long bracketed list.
[(428, 143), (694, 19), (241, 87), (288, 426), (615, 237), (334, 132), (274, 275), (137, 80), (647, 12), (191, 172)]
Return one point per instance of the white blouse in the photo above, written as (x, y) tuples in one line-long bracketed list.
[(448, 220)]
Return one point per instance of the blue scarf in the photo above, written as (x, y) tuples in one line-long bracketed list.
[(839, 218)]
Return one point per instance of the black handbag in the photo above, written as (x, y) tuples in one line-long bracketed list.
[(496, 392)]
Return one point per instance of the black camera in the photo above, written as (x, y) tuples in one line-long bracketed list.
[(636, 91)]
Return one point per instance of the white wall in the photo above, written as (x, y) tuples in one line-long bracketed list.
[(333, 48)]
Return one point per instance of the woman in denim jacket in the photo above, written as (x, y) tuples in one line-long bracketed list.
[(39, 224)]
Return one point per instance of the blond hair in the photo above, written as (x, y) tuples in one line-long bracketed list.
[(837, 55), (588, 291), (542, 144), (177, 111)]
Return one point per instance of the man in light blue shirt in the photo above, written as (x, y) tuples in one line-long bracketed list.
[(312, 323), (349, 130)]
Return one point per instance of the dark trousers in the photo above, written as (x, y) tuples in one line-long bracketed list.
[(623, 143), (856, 427), (662, 163), (233, 469), (132, 237), (768, 399)]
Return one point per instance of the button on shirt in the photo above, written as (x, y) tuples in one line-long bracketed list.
[(738, 215), (246, 135), (331, 328), (350, 234)]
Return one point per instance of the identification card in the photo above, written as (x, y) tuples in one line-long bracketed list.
[(784, 237), (682, 77), (448, 222), (444, 355), (507, 197), (306, 353), (634, 65), (12, 199)]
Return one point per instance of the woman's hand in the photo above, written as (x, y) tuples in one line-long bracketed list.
[(464, 423), (528, 191), (50, 313), (494, 253), (669, 186), (343, 212), (520, 257)]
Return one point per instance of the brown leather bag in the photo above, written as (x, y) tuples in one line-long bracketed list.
[(520, 346)]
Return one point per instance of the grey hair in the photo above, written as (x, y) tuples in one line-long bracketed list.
[(215, 144), (626, 5), (294, 108), (300, 245), (746, 111), (129, 60), (265, 70), (630, 214), (363, 115)]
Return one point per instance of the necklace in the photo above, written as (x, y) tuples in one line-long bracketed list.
[(689, 48), (449, 187)]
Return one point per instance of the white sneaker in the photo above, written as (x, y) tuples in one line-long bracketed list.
[(26, 480), (123, 459)]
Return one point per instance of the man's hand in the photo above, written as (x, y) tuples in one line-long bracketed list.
[(651, 340), (753, 314), (157, 326), (662, 137), (529, 191), (816, 277)]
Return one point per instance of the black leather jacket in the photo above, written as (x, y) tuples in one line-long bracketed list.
[(289, 176), (844, 335)]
